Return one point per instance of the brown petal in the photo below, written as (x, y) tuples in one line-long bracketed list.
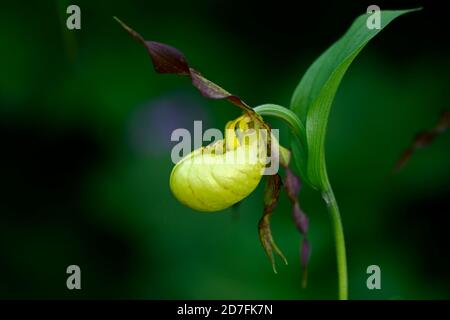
[(167, 59), (271, 195), (423, 139), (300, 219), (305, 252), (292, 185)]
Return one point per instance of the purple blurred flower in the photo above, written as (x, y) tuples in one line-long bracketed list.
[(152, 123)]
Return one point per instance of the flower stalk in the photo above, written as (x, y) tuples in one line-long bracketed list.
[(338, 230)]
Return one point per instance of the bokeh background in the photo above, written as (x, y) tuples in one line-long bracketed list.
[(85, 129)]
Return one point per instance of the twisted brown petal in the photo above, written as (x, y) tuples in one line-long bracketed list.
[(271, 195), (167, 59), (292, 185), (423, 139)]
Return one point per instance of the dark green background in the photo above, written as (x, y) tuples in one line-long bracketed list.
[(85, 129)]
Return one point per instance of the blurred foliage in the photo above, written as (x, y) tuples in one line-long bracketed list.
[(85, 125)]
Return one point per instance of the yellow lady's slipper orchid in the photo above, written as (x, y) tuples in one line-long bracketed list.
[(215, 177)]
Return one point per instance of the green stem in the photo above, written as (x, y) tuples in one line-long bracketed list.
[(298, 129), (285, 114), (338, 230), (282, 113)]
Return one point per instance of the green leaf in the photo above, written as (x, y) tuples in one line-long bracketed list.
[(315, 93)]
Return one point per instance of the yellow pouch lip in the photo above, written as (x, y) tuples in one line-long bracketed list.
[(186, 194)]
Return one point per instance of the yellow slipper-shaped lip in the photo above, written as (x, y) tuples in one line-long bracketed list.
[(206, 180)]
